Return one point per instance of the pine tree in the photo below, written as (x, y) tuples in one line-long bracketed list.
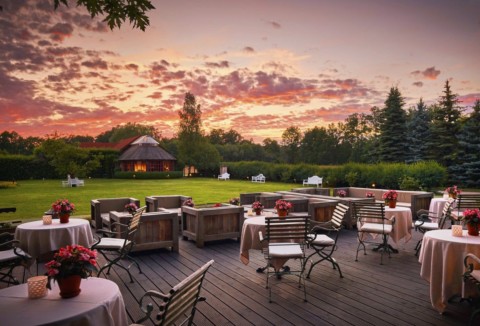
[(393, 129), (418, 127), (467, 171), (443, 146)]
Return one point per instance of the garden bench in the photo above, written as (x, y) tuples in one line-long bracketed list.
[(259, 178), (315, 180), (225, 176)]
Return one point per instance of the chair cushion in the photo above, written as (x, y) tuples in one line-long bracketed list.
[(476, 274), (376, 228), (7, 255), (292, 250), (111, 243), (322, 240), (427, 225)]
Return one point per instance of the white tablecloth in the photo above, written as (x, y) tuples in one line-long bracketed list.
[(442, 258), (37, 238), (99, 303)]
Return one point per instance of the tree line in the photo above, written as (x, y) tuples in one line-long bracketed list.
[(442, 132)]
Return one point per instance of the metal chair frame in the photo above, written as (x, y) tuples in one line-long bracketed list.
[(325, 249), (181, 300), (426, 217), (469, 261), (119, 247), (286, 238), (12, 256), (371, 219)]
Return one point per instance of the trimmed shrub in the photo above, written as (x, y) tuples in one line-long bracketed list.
[(149, 175)]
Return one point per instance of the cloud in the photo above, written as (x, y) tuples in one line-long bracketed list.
[(429, 73), (248, 49), (60, 31), (221, 64), (418, 84)]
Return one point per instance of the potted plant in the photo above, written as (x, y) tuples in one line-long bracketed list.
[(235, 201), (370, 194), (282, 207), (452, 191), (341, 193), (471, 217), (390, 198), (131, 208), (63, 208), (189, 202), (257, 207), (69, 265)]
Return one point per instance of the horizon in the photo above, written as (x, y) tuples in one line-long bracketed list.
[(257, 67)]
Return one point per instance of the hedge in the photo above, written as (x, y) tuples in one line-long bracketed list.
[(149, 175), (427, 174)]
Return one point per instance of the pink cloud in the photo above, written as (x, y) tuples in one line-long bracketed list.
[(429, 73)]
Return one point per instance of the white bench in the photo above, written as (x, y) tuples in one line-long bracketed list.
[(315, 180), (75, 182), (225, 176), (258, 178)]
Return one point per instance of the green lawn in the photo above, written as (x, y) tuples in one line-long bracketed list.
[(33, 197)]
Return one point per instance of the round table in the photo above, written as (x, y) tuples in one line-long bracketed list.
[(250, 238), (402, 229), (442, 257), (37, 239), (99, 303), (437, 205)]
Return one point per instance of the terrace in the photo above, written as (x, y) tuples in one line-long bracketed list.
[(369, 293)]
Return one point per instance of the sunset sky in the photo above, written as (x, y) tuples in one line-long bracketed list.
[(256, 66)]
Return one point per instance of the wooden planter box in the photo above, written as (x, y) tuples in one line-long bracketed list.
[(212, 223), (156, 230)]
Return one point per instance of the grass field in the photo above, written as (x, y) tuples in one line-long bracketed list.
[(33, 197)]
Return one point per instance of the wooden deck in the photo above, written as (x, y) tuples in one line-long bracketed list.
[(369, 293)]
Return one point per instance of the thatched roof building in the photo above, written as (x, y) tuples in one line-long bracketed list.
[(145, 155)]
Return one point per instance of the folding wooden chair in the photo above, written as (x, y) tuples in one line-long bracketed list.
[(114, 250), (286, 238), (323, 238), (180, 302), (371, 220), (425, 223)]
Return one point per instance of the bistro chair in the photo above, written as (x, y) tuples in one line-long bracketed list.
[(425, 221), (372, 221), (472, 276), (114, 249), (179, 302), (286, 238), (464, 201), (12, 256), (323, 238)]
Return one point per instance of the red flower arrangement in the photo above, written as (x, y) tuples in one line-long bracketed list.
[(63, 206), (341, 193), (283, 205), (189, 202), (390, 195), (131, 208), (257, 206), (370, 194), (471, 216)]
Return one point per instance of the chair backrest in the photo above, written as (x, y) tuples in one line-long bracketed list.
[(468, 201), (374, 212), (446, 213), (181, 300), (339, 215), (132, 229), (287, 229)]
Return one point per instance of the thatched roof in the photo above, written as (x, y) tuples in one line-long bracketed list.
[(146, 148)]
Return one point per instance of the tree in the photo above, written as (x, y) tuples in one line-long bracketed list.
[(131, 130), (291, 138), (193, 148), (117, 11), (443, 145), (68, 158), (319, 146), (467, 171), (393, 131), (418, 127), (272, 150), (219, 136)]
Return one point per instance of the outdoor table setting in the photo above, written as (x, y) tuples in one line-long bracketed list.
[(441, 255), (37, 238), (99, 303)]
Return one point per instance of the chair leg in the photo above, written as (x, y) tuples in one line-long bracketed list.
[(418, 247)]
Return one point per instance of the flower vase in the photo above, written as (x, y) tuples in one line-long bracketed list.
[(454, 196), (258, 211), (69, 286), (64, 218), (473, 229), (282, 212), (392, 203)]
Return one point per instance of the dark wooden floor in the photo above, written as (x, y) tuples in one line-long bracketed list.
[(369, 293)]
